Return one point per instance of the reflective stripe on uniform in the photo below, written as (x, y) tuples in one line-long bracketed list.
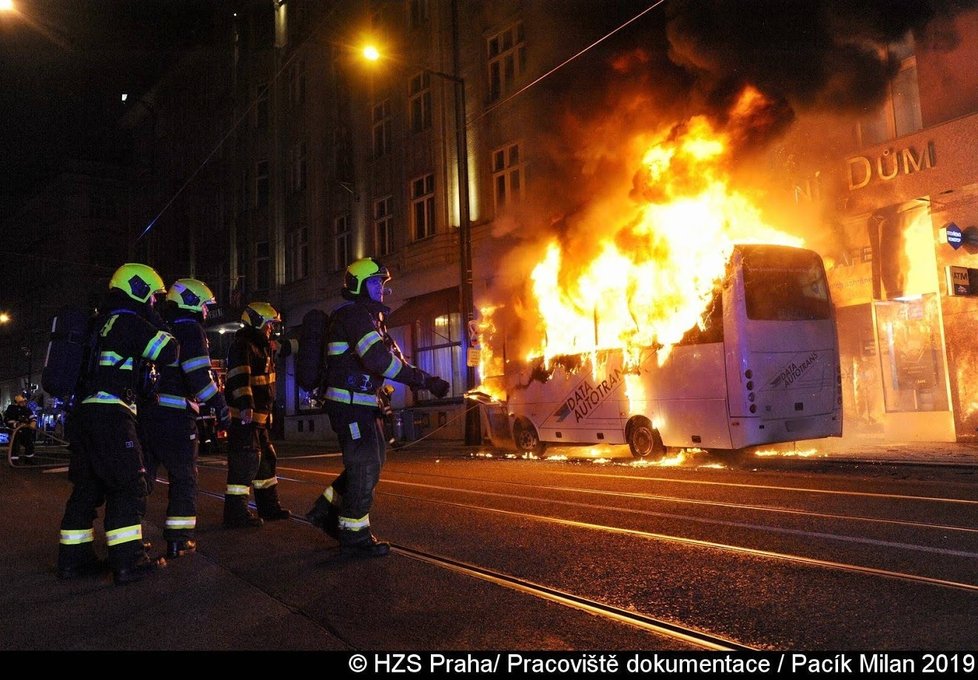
[(394, 367), (348, 397), (106, 398), (124, 535), (351, 524), (368, 341), (181, 522), (335, 348), (263, 379), (76, 536), (156, 344), (172, 401), (194, 363), (264, 483), (237, 490), (207, 392), (332, 496), (241, 392), (238, 370)]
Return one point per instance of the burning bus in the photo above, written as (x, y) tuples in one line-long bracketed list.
[(761, 367)]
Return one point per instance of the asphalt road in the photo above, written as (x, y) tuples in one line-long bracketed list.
[(494, 552)]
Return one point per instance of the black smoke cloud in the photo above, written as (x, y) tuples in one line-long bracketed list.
[(810, 54)]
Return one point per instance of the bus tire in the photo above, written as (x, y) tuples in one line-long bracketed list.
[(644, 440), (526, 438)]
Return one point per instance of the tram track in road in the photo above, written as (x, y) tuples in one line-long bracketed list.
[(685, 540), (659, 627)]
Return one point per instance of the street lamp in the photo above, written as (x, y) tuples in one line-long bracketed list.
[(466, 302)]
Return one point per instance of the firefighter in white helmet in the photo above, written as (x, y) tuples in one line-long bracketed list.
[(361, 355)]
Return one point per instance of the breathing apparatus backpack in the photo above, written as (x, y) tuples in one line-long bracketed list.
[(71, 355), (310, 357)]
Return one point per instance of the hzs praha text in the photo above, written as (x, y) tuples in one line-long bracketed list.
[(669, 663)]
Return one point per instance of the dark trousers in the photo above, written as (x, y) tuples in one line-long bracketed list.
[(252, 462), (360, 432), (106, 466), (170, 440), (24, 441)]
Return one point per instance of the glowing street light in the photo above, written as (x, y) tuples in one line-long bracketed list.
[(7, 6), (466, 303), (4, 317)]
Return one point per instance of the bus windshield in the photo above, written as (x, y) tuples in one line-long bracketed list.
[(784, 284)]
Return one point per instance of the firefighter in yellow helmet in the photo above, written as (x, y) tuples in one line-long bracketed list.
[(249, 387), (169, 422), (361, 355), (107, 457)]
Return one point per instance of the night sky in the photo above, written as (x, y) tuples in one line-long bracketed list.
[(64, 65)]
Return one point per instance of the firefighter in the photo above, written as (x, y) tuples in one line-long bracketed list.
[(361, 354), (250, 390), (22, 422), (106, 454), (170, 420)]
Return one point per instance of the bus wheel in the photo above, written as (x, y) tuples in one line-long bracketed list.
[(526, 438), (643, 439)]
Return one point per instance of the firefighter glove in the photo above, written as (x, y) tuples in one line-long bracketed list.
[(436, 386)]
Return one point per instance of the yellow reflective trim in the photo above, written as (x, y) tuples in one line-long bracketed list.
[(264, 483), (261, 379), (355, 524), (368, 341), (332, 496), (240, 392), (334, 348), (181, 522), (238, 370), (124, 535), (237, 490), (77, 536)]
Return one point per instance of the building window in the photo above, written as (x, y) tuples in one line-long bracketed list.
[(382, 128), (261, 106), (900, 113), (383, 226), (297, 83), (420, 93), (419, 12), (507, 175), (297, 167), (297, 255), (261, 184), (342, 241), (439, 350), (507, 60), (263, 266), (423, 206)]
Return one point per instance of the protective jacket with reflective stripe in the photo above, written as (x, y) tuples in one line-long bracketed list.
[(250, 378), (125, 341), (188, 380), (362, 354)]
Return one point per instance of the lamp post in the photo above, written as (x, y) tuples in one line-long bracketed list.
[(466, 301)]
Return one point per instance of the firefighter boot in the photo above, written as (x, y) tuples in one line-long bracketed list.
[(237, 515), (138, 570), (269, 509), (325, 516), (180, 548), (362, 543), (75, 561)]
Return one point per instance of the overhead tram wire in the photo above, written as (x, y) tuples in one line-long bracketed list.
[(566, 61)]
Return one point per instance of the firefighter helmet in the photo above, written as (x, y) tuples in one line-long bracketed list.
[(257, 314), (190, 294), (138, 281), (360, 271)]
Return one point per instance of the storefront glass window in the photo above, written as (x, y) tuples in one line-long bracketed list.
[(910, 354)]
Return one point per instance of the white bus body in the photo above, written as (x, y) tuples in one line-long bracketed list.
[(764, 370)]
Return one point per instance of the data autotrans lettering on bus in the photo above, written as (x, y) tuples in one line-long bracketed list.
[(587, 396), (762, 367)]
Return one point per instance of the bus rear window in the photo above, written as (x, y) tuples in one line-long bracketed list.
[(783, 284)]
